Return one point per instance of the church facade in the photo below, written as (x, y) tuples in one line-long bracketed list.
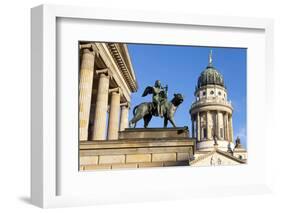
[(211, 118)]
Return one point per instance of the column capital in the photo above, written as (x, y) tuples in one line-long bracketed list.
[(87, 48), (116, 90), (90, 48), (126, 104), (105, 71)]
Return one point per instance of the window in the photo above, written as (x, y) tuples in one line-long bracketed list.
[(204, 133), (212, 92), (204, 93), (219, 93)]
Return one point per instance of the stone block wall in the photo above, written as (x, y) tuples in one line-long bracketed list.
[(139, 153)]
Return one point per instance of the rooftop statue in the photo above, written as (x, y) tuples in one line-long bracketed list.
[(159, 106)]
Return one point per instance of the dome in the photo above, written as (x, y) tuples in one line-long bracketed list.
[(210, 76)]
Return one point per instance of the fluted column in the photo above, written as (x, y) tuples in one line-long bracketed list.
[(217, 125), (192, 120), (124, 116), (198, 128), (230, 128), (226, 137), (207, 125), (113, 122), (101, 105), (85, 91), (93, 109)]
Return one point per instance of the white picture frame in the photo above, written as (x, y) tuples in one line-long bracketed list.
[(44, 155)]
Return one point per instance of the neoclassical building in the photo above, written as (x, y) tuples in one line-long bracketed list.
[(211, 118), (106, 81), (211, 112)]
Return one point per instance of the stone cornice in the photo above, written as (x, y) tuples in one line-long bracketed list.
[(203, 104), (109, 62), (126, 69)]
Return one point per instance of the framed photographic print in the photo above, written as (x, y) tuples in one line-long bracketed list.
[(131, 106)]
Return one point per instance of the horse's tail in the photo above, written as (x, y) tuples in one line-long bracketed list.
[(134, 110)]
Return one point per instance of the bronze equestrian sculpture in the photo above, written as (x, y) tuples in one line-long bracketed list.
[(159, 106)]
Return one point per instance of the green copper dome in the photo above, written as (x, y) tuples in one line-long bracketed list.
[(210, 76)]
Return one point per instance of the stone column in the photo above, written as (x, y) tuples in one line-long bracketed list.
[(207, 124), (93, 109), (217, 125), (113, 121), (101, 105), (226, 137), (124, 116), (198, 127), (192, 120), (85, 91), (230, 128)]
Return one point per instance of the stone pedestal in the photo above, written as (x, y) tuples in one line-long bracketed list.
[(138, 148), (158, 133)]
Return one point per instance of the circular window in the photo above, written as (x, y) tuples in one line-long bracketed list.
[(204, 93), (219, 93), (212, 92)]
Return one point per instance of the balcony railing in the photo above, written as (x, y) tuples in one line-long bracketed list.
[(213, 100)]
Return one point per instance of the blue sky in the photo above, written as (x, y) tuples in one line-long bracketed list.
[(180, 67)]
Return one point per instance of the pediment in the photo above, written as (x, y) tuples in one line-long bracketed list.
[(216, 158)]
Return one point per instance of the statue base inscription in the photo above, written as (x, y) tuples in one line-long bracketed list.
[(138, 148)]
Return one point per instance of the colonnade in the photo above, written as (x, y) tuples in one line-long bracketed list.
[(100, 128), (198, 127)]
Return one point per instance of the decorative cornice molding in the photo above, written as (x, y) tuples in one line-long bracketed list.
[(126, 72)]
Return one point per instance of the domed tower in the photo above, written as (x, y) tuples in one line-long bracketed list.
[(211, 112)]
